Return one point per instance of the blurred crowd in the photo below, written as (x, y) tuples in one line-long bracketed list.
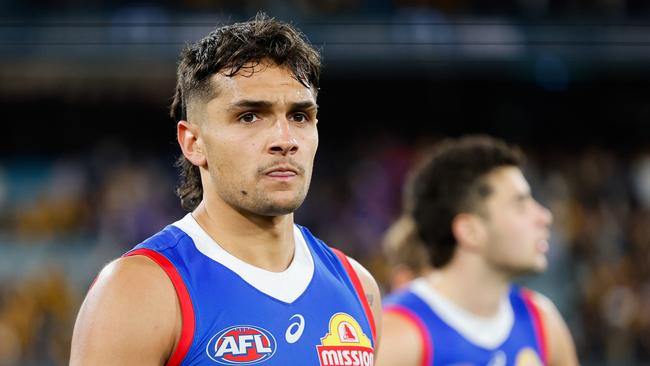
[(61, 220), (109, 199)]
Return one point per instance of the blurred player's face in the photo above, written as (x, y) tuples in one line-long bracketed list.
[(260, 138), (517, 225)]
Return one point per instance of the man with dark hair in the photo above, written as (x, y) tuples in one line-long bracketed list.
[(474, 211), (236, 281)]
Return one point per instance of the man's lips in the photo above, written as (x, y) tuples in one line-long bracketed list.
[(542, 245), (282, 173), (285, 171)]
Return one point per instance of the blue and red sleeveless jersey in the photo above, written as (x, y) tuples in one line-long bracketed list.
[(314, 313), (521, 343)]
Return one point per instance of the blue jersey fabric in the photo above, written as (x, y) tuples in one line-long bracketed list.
[(237, 324), (449, 347)]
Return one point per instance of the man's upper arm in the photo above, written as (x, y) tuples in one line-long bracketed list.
[(561, 349), (371, 290), (131, 316), (401, 342)]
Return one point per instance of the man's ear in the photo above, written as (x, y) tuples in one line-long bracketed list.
[(469, 230), (189, 139)]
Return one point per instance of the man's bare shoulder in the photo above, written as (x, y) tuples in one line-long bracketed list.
[(372, 293), (131, 315), (129, 271), (368, 281), (562, 349), (401, 341)]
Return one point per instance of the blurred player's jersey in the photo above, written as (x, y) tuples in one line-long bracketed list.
[(452, 336), (236, 314)]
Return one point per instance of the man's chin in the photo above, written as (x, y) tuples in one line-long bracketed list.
[(277, 210), (279, 207), (541, 264), (533, 269)]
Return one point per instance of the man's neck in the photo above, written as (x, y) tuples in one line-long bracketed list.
[(470, 286), (262, 241)]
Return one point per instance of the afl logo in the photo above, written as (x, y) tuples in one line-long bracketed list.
[(241, 345)]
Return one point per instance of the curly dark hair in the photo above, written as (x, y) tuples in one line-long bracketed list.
[(233, 48), (452, 180)]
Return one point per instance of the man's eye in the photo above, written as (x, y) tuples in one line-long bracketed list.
[(248, 117), (300, 117)]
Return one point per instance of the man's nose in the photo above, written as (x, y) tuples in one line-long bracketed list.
[(545, 214), (283, 141)]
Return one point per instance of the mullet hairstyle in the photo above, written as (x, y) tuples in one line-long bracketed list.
[(232, 48), (452, 180)]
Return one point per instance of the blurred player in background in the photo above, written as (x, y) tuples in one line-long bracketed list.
[(236, 281), (473, 208), (407, 257)]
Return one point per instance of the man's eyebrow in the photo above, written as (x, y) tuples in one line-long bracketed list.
[(250, 104), (301, 106), (263, 104)]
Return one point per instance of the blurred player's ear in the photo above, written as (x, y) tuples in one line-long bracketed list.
[(190, 142), (469, 231)]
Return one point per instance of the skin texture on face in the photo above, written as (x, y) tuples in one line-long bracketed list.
[(517, 226), (259, 139)]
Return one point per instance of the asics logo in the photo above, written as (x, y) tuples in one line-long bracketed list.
[(499, 359), (294, 332)]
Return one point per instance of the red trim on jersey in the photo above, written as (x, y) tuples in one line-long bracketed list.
[(357, 286), (187, 310), (538, 324), (92, 284), (425, 337)]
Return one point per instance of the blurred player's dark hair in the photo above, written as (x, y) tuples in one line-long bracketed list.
[(452, 180), (229, 49)]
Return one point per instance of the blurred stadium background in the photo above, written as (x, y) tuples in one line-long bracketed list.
[(86, 147)]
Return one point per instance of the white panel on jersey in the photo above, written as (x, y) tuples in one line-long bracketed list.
[(483, 332), (285, 286)]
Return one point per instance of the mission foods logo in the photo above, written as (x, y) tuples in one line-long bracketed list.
[(345, 344), (241, 345)]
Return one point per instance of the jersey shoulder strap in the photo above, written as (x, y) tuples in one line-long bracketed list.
[(535, 312), (359, 288)]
